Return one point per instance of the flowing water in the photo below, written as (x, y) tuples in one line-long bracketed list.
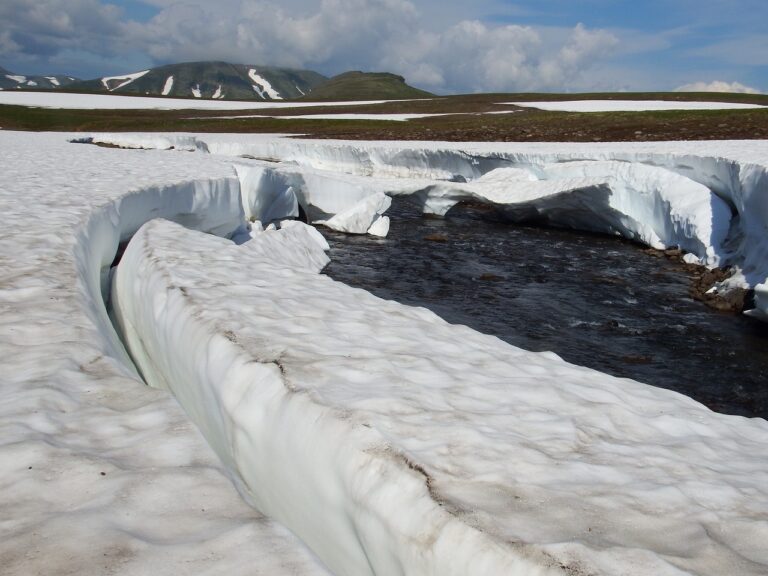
[(595, 300)]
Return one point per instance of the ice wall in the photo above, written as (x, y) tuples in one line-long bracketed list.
[(101, 473), (705, 197), (355, 499)]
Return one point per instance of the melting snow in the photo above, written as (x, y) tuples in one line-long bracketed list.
[(196, 91), (217, 94), (126, 79), (121, 102), (15, 78), (168, 86), (263, 86), (630, 105), (387, 439), (53, 80)]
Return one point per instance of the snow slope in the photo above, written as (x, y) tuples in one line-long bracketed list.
[(630, 105), (395, 443)]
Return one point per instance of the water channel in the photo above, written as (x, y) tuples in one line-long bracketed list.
[(595, 300)]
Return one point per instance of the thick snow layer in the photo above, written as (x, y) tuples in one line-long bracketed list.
[(388, 440), (100, 473), (664, 194), (60, 100), (126, 79), (168, 86), (407, 444), (262, 86), (630, 105)]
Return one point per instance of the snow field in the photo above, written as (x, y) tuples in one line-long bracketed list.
[(68, 101), (411, 446), (630, 105), (101, 473), (430, 447)]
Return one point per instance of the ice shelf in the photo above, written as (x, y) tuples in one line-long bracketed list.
[(389, 441)]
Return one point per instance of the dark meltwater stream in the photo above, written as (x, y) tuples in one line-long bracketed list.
[(594, 300)]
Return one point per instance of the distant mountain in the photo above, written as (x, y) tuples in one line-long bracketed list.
[(221, 80), (366, 86), (218, 80), (12, 81)]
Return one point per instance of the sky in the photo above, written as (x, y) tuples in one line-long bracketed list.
[(448, 46)]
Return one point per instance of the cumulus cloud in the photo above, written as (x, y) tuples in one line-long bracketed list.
[(332, 36), (48, 27), (717, 86)]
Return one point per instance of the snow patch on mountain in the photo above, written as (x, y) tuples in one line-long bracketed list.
[(262, 86), (217, 93), (16, 78), (124, 80), (53, 80), (168, 86), (196, 91)]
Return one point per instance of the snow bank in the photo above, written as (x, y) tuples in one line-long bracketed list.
[(630, 105), (336, 482), (409, 445), (102, 474), (705, 197), (395, 442)]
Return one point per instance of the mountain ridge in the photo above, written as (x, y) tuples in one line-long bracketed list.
[(227, 81)]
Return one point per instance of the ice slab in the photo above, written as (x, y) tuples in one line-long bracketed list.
[(407, 444)]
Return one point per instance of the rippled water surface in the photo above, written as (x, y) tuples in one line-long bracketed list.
[(594, 300)]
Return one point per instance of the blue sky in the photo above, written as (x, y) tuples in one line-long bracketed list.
[(445, 46)]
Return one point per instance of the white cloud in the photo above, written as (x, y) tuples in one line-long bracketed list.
[(717, 86), (331, 36)]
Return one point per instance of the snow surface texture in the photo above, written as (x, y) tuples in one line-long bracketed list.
[(60, 100), (72, 409), (394, 442), (630, 105)]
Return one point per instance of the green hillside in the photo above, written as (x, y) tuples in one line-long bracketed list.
[(13, 81), (210, 80), (366, 86)]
